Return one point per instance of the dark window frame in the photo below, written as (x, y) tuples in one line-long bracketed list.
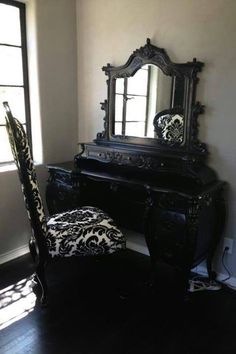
[(22, 12), (126, 98)]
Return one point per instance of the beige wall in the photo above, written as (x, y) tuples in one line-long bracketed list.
[(108, 30), (57, 65), (14, 227), (53, 86)]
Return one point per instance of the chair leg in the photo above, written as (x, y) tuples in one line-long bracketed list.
[(40, 284), (32, 249), (39, 280)]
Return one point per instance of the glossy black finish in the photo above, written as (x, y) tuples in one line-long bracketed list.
[(63, 188), (185, 77), (182, 220), (165, 191)]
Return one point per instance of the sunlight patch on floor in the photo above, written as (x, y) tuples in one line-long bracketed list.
[(16, 302)]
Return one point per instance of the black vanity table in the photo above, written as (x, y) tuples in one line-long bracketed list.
[(148, 169)]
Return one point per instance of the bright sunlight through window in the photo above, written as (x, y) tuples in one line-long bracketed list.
[(13, 70), (16, 302)]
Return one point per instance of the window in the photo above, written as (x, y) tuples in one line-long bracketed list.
[(132, 102), (13, 70)]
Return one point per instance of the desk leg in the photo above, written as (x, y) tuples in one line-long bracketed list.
[(220, 218)]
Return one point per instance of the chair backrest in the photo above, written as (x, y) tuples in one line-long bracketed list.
[(23, 158), (169, 125)]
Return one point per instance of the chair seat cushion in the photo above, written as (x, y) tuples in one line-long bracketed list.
[(84, 231)]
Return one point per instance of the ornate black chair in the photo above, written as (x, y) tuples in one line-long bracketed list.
[(87, 231)]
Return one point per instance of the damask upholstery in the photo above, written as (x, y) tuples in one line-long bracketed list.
[(169, 126), (26, 170), (84, 231)]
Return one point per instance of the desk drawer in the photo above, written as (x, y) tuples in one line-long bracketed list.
[(61, 197)]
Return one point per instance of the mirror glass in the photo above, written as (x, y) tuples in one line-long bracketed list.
[(138, 99)]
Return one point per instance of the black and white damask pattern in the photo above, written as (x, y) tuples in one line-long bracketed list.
[(170, 128), (84, 231), (23, 158)]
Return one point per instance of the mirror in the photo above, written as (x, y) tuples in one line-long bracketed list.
[(151, 103), (139, 98)]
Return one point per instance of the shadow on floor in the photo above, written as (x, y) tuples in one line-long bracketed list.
[(107, 306)]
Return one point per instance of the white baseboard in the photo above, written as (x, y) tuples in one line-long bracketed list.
[(18, 252)]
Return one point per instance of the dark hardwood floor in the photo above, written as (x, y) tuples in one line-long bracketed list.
[(107, 306)]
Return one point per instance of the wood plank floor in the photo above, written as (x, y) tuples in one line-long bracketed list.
[(106, 306)]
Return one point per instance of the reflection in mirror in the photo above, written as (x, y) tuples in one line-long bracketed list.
[(169, 126), (139, 98)]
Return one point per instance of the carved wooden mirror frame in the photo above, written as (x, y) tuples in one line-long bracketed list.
[(150, 54)]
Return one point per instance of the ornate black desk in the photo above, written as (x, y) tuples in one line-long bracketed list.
[(182, 220), (159, 184)]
